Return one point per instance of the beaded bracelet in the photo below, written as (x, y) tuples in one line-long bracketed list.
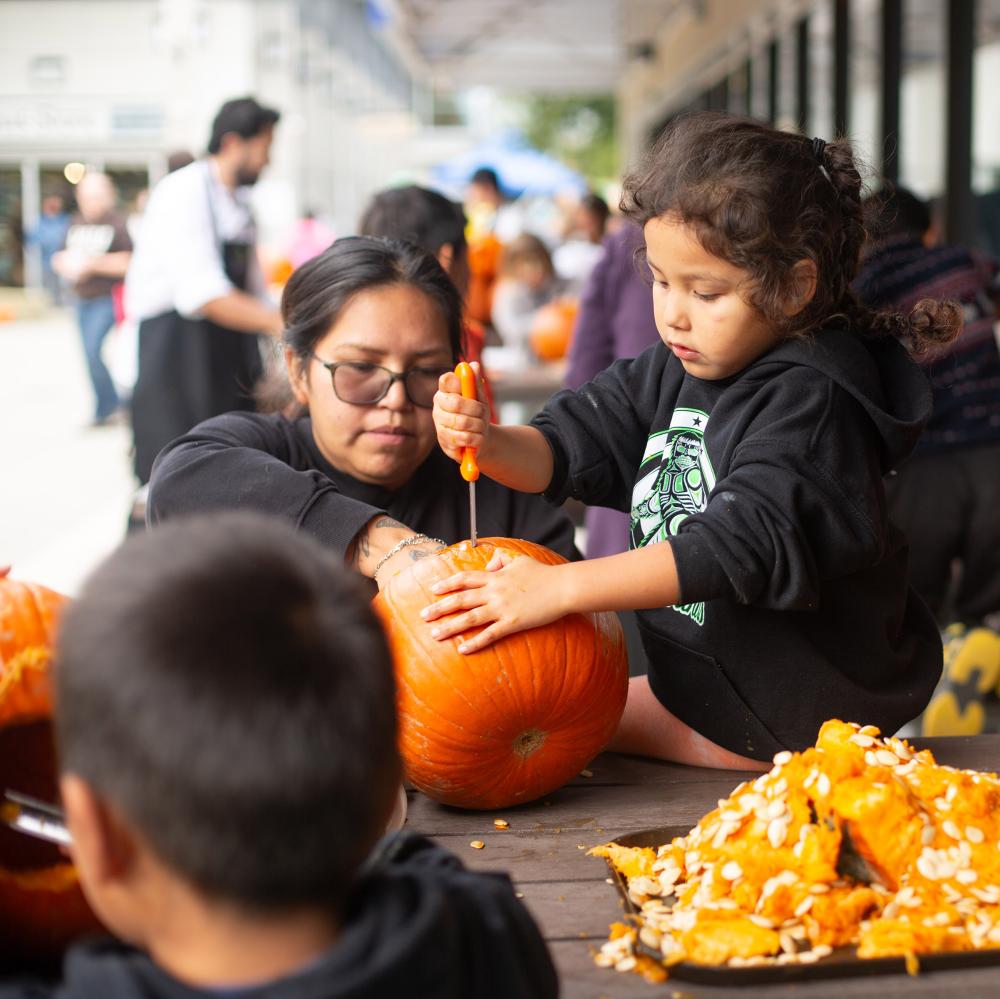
[(414, 539)]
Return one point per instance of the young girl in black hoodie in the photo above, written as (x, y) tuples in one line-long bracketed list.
[(753, 441)]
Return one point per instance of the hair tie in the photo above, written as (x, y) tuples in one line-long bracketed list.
[(818, 147)]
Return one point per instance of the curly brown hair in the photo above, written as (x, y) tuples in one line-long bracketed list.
[(763, 199)]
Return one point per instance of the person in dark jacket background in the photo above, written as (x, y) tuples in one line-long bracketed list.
[(227, 730), (370, 325), (946, 496), (749, 446)]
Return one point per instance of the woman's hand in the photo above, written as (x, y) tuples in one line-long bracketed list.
[(460, 422), (512, 594)]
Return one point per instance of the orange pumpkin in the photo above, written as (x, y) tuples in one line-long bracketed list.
[(484, 263), (510, 723), (41, 906), (552, 329)]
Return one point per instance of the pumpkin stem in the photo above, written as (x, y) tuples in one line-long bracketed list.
[(528, 742)]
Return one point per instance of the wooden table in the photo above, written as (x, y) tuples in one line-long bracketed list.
[(544, 851)]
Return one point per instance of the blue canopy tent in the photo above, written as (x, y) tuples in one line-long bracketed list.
[(522, 169)]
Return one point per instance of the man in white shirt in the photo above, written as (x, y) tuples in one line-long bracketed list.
[(195, 287)]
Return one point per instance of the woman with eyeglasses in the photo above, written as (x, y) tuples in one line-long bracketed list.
[(370, 325)]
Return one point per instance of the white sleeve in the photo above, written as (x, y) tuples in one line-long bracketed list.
[(190, 253)]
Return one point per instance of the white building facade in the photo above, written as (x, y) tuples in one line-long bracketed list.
[(119, 84)]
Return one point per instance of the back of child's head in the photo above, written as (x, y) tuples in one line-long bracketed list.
[(223, 683), (763, 200), (416, 214)]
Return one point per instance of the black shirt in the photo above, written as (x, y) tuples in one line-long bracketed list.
[(419, 925), (271, 464), (795, 606)]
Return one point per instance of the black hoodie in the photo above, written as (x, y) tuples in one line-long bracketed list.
[(254, 461), (768, 486), (420, 925)]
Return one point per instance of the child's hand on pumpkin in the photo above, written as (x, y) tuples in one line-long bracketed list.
[(512, 594), (460, 422)]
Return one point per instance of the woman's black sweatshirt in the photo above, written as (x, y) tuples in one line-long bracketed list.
[(272, 465), (795, 605)]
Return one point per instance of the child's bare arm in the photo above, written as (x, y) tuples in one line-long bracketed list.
[(518, 457), (516, 592)]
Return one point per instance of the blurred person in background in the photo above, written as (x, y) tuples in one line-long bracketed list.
[(96, 253), (579, 252), (196, 289), (49, 235), (527, 281), (310, 237), (483, 201), (436, 224), (946, 496), (179, 159)]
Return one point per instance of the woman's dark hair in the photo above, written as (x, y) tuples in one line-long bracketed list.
[(321, 288), (223, 682), (764, 199)]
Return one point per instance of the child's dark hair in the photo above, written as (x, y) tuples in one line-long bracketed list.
[(417, 214), (321, 288), (764, 199), (224, 683)]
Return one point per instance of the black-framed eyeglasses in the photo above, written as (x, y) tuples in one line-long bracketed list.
[(360, 383)]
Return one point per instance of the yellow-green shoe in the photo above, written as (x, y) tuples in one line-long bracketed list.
[(971, 670)]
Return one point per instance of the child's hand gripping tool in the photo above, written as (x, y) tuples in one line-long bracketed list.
[(470, 469)]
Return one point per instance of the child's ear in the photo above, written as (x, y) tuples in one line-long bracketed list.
[(803, 286), (103, 847), (297, 376)]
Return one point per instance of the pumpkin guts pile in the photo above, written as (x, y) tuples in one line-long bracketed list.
[(859, 841)]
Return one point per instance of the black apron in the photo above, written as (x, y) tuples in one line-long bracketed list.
[(191, 369)]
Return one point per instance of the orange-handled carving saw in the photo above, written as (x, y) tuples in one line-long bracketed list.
[(470, 469)]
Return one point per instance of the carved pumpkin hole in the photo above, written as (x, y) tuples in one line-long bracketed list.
[(528, 742), (28, 765)]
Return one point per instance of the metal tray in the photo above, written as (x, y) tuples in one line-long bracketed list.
[(842, 963)]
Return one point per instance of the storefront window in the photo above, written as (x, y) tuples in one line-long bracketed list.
[(986, 125), (11, 228), (922, 98)]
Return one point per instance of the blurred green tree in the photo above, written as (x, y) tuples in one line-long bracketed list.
[(578, 130)]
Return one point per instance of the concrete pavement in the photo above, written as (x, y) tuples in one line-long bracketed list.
[(65, 488)]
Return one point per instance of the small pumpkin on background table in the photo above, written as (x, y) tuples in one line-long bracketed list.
[(42, 908), (552, 329), (515, 721)]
